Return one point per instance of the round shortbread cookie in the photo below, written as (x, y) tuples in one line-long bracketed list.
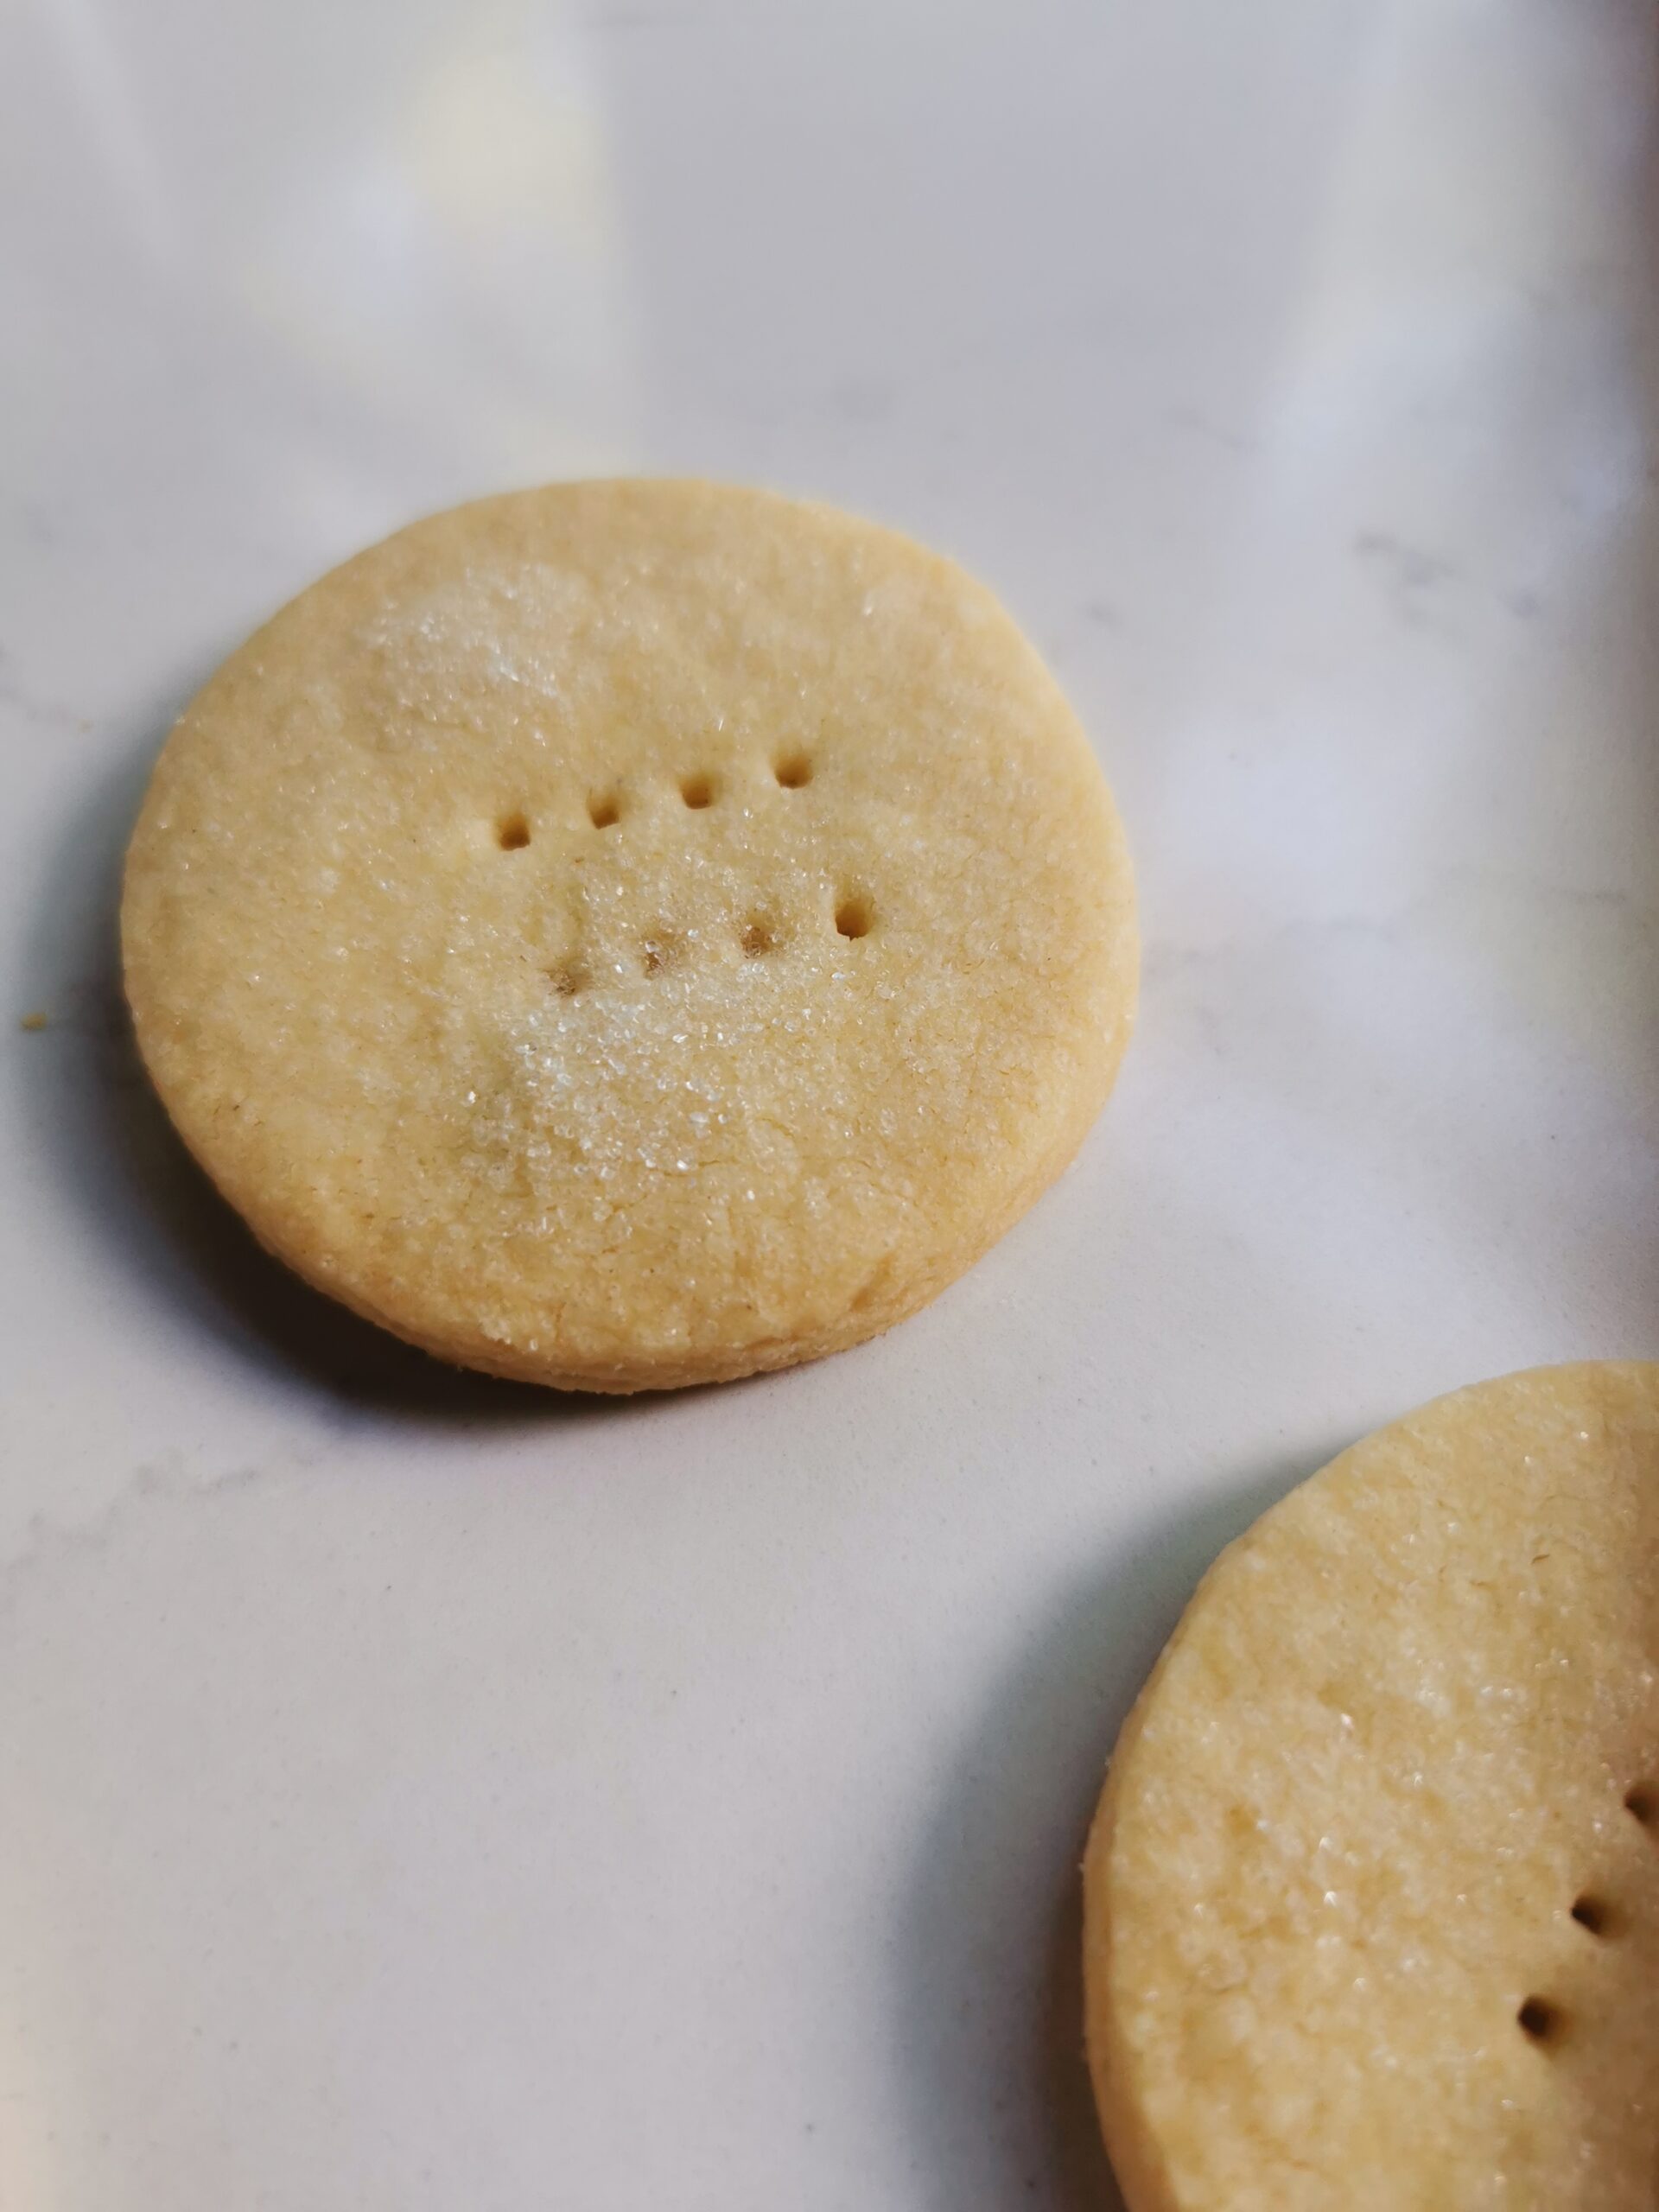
[(632, 934), (1372, 1898)]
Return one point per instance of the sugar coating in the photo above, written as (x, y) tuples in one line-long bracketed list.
[(631, 934), (1407, 1722)]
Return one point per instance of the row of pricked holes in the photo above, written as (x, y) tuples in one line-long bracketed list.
[(1540, 2019), (853, 917), (605, 808)]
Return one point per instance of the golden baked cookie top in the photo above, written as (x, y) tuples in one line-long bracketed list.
[(632, 933), (1372, 1900)]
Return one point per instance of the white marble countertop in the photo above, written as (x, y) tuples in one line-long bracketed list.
[(421, 1794)]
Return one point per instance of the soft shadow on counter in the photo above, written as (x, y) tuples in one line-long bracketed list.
[(1003, 2111)]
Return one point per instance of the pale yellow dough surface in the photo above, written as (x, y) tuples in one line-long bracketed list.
[(631, 934), (1407, 1724)]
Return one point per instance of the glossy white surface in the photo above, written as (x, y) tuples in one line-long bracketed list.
[(422, 1795)]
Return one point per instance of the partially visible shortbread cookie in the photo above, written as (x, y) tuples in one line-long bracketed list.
[(1372, 1899), (631, 934)]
